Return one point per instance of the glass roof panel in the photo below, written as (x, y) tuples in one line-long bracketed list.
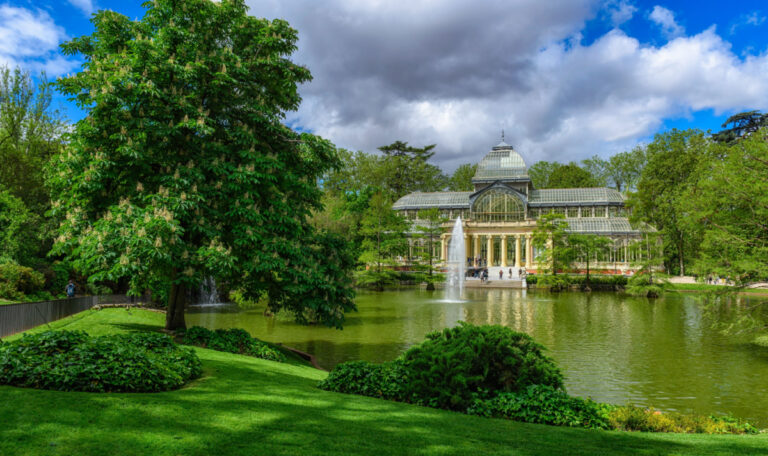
[(575, 195)]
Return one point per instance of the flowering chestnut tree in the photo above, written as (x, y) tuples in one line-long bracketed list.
[(183, 168)]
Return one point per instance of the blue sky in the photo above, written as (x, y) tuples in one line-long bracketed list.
[(566, 79)]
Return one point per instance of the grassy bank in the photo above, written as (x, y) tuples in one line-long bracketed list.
[(703, 287), (249, 406)]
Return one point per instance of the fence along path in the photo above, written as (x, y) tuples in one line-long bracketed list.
[(22, 316)]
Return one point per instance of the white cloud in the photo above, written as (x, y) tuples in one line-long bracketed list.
[(619, 11), (754, 19), (665, 19), (30, 39), (455, 75), (86, 6)]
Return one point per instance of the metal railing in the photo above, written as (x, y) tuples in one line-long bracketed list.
[(22, 316)]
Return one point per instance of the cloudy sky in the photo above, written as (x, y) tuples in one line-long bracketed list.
[(566, 79)]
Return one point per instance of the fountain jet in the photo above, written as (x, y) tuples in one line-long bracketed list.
[(456, 263)]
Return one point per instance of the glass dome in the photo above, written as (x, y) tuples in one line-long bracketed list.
[(501, 163)]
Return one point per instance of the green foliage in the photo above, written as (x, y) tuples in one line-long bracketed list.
[(550, 239), (183, 168), (544, 405), (552, 282), (461, 179), (571, 176), (383, 233), (454, 366), (386, 380), (18, 281), (429, 229), (20, 235), (586, 247), (642, 284), (730, 202), (73, 361), (621, 171), (661, 199), (614, 281), (631, 418), (234, 340), (377, 279), (740, 126), (540, 172), (406, 169)]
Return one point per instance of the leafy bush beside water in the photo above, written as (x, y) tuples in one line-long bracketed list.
[(492, 371), (74, 361), (451, 367), (233, 340)]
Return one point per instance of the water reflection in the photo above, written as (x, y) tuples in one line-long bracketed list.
[(614, 348)]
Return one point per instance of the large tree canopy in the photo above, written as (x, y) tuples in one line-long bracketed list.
[(183, 167), (673, 158)]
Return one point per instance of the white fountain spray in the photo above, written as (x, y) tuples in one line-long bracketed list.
[(456, 264)]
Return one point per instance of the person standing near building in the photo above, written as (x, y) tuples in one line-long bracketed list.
[(501, 274)]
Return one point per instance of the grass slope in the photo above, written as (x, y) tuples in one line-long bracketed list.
[(247, 406)]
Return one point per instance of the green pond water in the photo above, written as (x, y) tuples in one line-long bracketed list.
[(614, 348)]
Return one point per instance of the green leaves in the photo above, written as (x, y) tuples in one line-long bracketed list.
[(234, 340), (73, 361)]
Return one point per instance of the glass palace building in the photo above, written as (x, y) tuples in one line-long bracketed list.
[(500, 215)]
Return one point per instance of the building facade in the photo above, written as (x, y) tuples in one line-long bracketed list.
[(500, 215)]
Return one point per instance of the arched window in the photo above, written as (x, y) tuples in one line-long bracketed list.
[(497, 205)]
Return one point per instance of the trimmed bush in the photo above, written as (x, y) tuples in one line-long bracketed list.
[(631, 418), (386, 381), (233, 340), (454, 366), (544, 405), (74, 361)]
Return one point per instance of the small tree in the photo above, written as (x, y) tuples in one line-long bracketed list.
[(645, 282), (429, 228), (383, 232), (550, 238), (587, 246)]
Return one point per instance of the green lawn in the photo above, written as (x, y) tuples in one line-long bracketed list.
[(249, 406)]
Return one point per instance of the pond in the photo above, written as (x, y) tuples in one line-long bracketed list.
[(611, 347)]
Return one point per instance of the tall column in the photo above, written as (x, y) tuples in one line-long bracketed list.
[(443, 247), (410, 249), (490, 250), (477, 249), (528, 252), (517, 251), (503, 250), (467, 246)]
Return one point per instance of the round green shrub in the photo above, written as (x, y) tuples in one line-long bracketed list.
[(74, 361), (457, 365), (386, 380), (544, 405), (234, 340)]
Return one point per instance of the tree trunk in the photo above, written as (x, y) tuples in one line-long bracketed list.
[(682, 262), (177, 301)]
